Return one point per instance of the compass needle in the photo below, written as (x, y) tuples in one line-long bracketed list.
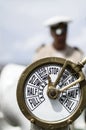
[(81, 78), (49, 81), (61, 73), (71, 85)]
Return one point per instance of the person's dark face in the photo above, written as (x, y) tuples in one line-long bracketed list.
[(59, 33)]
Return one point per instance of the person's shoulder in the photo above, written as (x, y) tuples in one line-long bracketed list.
[(43, 48), (78, 50), (40, 47), (74, 51)]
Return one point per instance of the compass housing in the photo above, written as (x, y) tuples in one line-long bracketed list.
[(30, 112)]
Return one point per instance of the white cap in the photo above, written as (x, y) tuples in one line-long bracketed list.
[(56, 20)]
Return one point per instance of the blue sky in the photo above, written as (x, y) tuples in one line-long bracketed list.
[(22, 30)]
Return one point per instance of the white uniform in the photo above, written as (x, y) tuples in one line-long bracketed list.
[(70, 53)]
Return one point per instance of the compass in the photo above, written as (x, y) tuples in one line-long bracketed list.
[(51, 92)]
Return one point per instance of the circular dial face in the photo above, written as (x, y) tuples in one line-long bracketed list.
[(40, 104)]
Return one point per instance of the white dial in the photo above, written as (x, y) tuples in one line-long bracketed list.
[(40, 104)]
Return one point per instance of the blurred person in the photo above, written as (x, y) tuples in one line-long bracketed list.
[(59, 47), (11, 73)]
